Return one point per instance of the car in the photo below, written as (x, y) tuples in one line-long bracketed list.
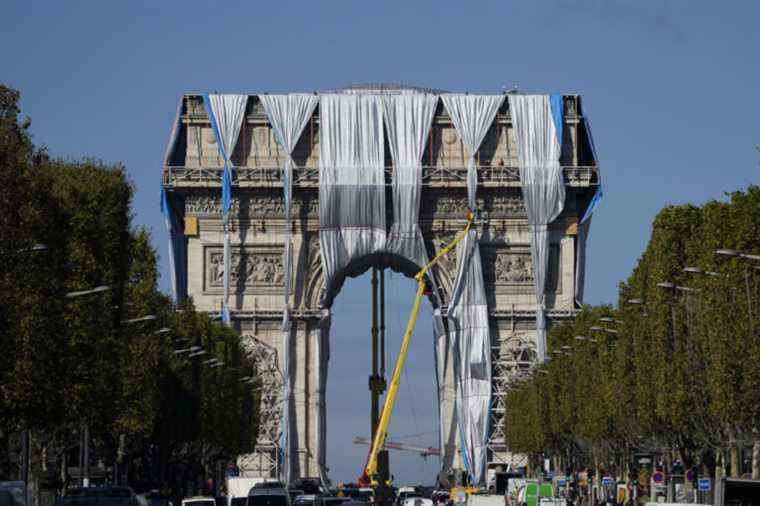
[(331, 501), (199, 501), (98, 496), (269, 494), (305, 500), (417, 501)]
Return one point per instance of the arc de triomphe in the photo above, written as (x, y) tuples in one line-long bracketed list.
[(192, 176)]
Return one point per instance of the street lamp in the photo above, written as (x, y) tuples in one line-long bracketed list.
[(80, 293), (145, 318), (36, 247), (637, 302), (163, 330), (581, 338), (197, 353), (697, 270), (187, 350), (747, 256), (734, 253)]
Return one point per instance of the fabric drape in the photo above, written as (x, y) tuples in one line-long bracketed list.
[(322, 358), (351, 183), (408, 119), (288, 115), (226, 113), (176, 241), (584, 227), (543, 187), (472, 116)]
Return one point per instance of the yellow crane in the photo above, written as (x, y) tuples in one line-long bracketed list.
[(370, 474)]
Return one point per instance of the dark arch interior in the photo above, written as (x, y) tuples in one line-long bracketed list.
[(381, 260)]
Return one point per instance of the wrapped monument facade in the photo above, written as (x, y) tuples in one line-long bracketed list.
[(273, 200)]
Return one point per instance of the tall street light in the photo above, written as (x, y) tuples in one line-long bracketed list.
[(746, 256), (140, 319), (80, 293)]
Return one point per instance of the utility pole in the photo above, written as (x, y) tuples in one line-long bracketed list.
[(86, 473), (25, 463), (377, 382)]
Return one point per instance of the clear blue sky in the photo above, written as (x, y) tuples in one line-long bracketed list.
[(671, 88)]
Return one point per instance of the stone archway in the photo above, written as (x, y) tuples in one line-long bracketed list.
[(192, 177)]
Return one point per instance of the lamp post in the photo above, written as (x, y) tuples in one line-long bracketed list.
[(85, 431)]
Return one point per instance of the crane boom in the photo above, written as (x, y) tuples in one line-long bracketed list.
[(423, 451), (369, 476)]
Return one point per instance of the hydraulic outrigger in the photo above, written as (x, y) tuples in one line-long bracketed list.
[(370, 476)]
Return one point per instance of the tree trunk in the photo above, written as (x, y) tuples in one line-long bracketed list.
[(734, 454), (756, 459)]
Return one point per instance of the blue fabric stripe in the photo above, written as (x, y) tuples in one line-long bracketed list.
[(226, 176), (594, 202), (558, 114), (164, 202)]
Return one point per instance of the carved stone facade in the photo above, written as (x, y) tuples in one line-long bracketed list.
[(259, 267), (258, 235)]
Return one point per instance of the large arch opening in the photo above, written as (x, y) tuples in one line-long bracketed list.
[(415, 417)]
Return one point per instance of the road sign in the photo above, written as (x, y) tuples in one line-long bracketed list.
[(606, 480), (704, 484), (658, 477)]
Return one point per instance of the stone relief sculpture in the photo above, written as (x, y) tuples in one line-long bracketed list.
[(517, 269), (250, 268)]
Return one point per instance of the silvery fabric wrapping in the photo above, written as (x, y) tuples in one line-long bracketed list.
[(543, 188), (408, 119), (226, 113), (584, 228), (448, 428), (472, 116), (171, 220), (322, 357), (351, 183), (288, 115)]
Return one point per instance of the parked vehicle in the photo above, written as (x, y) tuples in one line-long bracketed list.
[(238, 488), (269, 494), (418, 501), (199, 501), (98, 496), (735, 491)]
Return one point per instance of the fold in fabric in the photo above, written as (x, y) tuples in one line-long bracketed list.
[(584, 227), (170, 218), (351, 183), (288, 115), (322, 357), (226, 114), (543, 186), (408, 119), (472, 116)]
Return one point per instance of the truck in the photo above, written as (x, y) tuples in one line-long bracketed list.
[(238, 488), (737, 492)]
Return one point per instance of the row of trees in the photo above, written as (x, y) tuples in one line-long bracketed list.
[(673, 369), (105, 360)]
